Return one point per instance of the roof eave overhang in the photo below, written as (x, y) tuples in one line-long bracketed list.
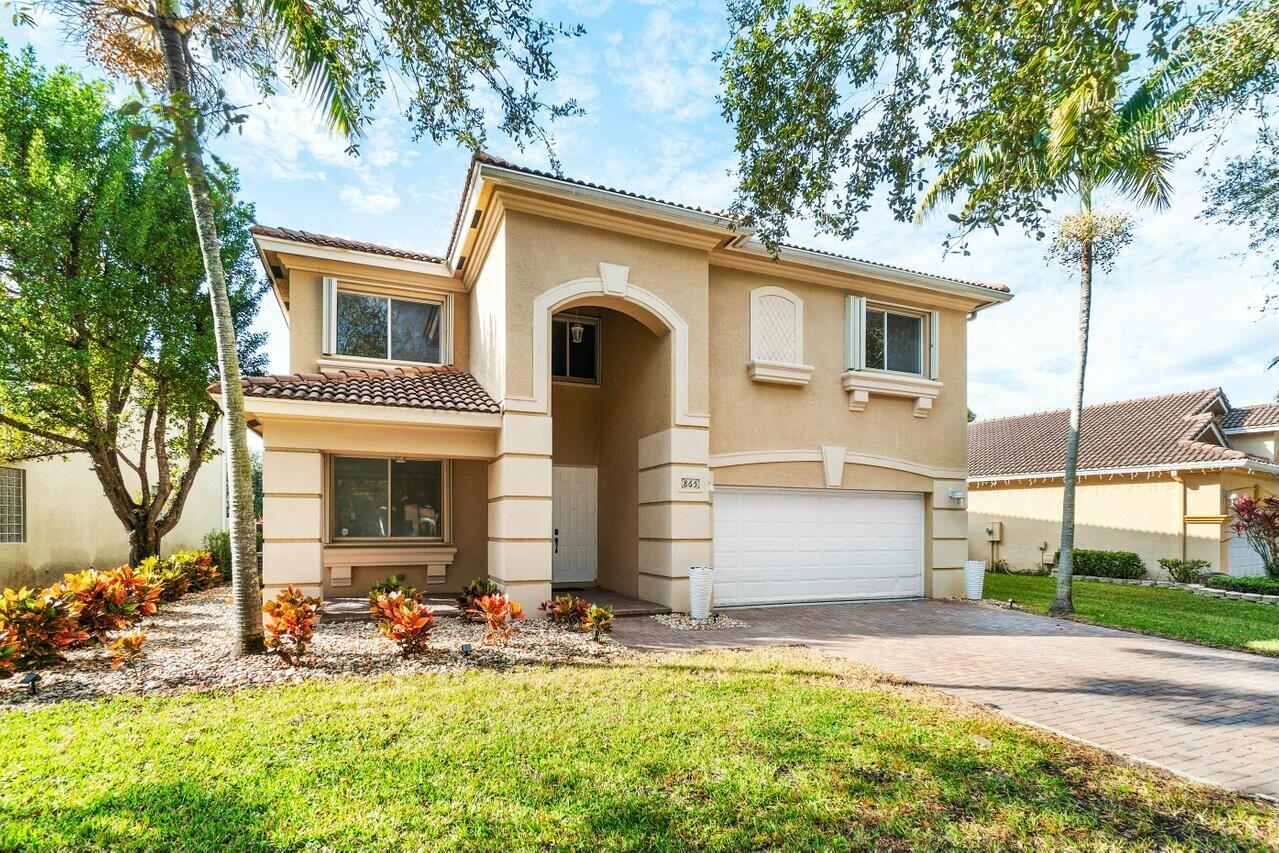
[(985, 295), (1225, 465), (354, 256), (1252, 429), (257, 408)]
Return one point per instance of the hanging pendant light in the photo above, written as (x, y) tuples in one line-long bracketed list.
[(575, 332)]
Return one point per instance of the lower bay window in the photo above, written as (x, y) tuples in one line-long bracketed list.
[(388, 499)]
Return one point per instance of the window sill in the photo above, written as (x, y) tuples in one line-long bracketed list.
[(355, 362), (340, 559), (860, 384), (779, 373)]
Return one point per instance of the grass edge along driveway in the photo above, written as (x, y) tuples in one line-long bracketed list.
[(1176, 613), (783, 749)]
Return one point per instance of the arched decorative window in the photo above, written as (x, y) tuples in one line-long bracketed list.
[(777, 337)]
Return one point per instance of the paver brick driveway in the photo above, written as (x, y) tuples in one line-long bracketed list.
[(1206, 713)]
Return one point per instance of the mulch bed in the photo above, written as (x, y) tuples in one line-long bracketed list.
[(190, 647)]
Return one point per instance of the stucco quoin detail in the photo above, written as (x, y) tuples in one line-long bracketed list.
[(613, 282)]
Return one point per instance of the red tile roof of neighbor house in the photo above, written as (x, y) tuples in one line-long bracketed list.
[(1246, 417), (1152, 432), (407, 387), (727, 217)]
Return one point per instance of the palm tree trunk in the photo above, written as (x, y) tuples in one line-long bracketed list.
[(1063, 602), (246, 590)]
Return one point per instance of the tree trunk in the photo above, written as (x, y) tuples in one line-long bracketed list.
[(144, 541), (1063, 602), (246, 590)]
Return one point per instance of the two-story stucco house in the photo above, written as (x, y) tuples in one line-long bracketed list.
[(594, 387)]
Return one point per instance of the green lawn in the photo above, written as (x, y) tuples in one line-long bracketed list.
[(715, 751), (1171, 612)]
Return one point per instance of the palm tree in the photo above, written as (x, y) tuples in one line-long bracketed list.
[(1089, 145), (338, 55)]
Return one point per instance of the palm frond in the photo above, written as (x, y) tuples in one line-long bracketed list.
[(314, 61)]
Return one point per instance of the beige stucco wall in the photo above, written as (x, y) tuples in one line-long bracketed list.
[(1161, 516), (576, 431), (1259, 444), (70, 525), (544, 253)]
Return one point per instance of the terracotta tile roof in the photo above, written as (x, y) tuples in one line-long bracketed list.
[(728, 217), (340, 243), (407, 387), (1153, 431), (1262, 414)]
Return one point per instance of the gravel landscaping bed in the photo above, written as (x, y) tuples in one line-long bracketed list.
[(189, 646), (684, 622)]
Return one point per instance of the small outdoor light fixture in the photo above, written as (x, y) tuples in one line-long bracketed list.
[(466, 648), (575, 332), (957, 496), (30, 680)]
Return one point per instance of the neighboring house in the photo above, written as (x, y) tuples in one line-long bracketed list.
[(55, 519), (593, 387), (1155, 476)]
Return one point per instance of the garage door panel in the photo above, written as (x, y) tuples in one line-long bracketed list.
[(778, 545)]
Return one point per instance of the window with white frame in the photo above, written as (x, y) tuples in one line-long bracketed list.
[(891, 338), (12, 505), (371, 325), (777, 326), (381, 498)]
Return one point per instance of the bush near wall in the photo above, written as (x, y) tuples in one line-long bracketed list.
[(1261, 585), (1107, 564)]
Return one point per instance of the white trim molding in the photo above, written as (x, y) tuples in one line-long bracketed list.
[(324, 410), (613, 281), (352, 256), (860, 384), (822, 455), (779, 373), (1226, 465)]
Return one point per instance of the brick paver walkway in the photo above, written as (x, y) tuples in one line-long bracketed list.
[(1209, 714)]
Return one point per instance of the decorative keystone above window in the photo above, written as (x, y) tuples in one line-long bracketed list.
[(893, 351), (777, 338)]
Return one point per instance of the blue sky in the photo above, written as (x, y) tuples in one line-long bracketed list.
[(1179, 311)]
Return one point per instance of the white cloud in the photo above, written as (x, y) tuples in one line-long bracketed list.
[(369, 202), (669, 69)]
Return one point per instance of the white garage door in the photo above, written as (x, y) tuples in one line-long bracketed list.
[(780, 545), (1244, 559)]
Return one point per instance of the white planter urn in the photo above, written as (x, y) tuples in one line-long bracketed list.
[(974, 579), (701, 585)]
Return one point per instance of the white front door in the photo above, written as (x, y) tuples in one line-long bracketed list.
[(573, 503)]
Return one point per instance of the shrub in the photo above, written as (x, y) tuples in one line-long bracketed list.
[(218, 544), (390, 585), (8, 656), (127, 650), (106, 601), (290, 625), (40, 624), (1184, 571), (1261, 585), (1257, 520), (499, 614), (1001, 567), (598, 620), (567, 611), (198, 568), (165, 576), (473, 592), (1107, 564), (404, 620)]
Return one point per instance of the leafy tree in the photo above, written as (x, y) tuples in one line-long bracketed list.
[(340, 54), (1007, 107), (106, 348)]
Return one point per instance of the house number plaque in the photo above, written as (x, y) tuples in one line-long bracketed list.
[(690, 484)]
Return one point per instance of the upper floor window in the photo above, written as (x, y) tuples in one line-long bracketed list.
[(892, 338), (12, 505), (367, 325), (575, 348)]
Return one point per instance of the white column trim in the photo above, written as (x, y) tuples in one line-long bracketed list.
[(763, 457)]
